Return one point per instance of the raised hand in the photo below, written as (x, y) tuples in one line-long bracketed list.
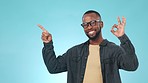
[(120, 27), (46, 36)]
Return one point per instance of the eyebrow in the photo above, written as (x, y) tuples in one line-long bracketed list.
[(92, 20)]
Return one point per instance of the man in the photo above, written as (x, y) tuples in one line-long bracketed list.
[(96, 60)]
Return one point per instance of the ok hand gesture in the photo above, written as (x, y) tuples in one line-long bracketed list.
[(46, 36), (120, 27)]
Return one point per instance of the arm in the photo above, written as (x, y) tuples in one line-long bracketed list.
[(127, 58), (53, 64)]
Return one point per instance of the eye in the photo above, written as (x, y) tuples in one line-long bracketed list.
[(93, 23), (84, 24)]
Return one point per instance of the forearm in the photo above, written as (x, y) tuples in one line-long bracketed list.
[(128, 59), (53, 64)]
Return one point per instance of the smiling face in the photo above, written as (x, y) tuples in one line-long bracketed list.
[(94, 26)]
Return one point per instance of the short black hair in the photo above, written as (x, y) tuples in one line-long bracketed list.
[(92, 11)]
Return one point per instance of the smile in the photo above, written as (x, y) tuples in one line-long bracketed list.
[(91, 32)]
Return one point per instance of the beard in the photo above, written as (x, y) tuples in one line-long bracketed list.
[(93, 37)]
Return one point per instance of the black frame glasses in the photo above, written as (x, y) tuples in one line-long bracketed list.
[(92, 23)]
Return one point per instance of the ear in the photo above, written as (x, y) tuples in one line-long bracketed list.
[(101, 24)]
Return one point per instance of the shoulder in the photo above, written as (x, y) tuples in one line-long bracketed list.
[(111, 49), (109, 45)]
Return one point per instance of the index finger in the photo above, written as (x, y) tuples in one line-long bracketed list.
[(41, 27)]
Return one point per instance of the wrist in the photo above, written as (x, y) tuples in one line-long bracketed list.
[(123, 38)]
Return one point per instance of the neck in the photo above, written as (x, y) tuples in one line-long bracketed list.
[(96, 41)]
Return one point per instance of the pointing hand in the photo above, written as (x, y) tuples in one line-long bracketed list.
[(46, 36)]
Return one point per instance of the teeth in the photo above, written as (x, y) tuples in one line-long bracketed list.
[(91, 32)]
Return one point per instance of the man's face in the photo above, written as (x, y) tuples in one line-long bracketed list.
[(91, 26)]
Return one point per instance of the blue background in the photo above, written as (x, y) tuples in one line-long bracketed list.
[(20, 38)]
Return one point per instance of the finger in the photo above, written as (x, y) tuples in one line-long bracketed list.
[(115, 26), (119, 21), (112, 29), (44, 38), (45, 34), (123, 20), (41, 27)]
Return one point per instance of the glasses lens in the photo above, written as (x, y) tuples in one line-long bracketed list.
[(84, 25), (93, 23)]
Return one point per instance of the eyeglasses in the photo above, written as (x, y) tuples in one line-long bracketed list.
[(92, 23)]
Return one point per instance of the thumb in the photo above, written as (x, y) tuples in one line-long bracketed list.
[(112, 29)]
